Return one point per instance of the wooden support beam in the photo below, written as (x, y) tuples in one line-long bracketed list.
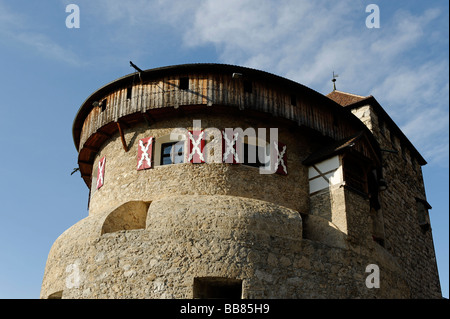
[(122, 137)]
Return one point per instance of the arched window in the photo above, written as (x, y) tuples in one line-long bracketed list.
[(56, 295), (131, 215)]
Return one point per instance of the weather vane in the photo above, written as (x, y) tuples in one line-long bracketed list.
[(334, 81)]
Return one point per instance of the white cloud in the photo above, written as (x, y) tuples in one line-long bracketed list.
[(270, 35), (306, 41), (300, 39), (402, 34), (412, 87)]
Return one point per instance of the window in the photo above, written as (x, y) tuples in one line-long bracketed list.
[(422, 214), (184, 83), (253, 155), (293, 100), (170, 148), (129, 91), (324, 174), (217, 288), (248, 87), (172, 153), (103, 105), (355, 175)]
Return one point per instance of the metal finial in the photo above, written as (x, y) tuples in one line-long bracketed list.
[(334, 81)]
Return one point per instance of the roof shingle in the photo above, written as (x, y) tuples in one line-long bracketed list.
[(344, 98)]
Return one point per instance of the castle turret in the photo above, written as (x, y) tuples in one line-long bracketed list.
[(211, 181)]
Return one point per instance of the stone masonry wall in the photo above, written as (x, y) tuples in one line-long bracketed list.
[(405, 240), (123, 183), (219, 236), (229, 221)]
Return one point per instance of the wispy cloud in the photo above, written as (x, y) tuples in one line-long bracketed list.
[(306, 41), (281, 37), (403, 32), (14, 28), (45, 46), (400, 63)]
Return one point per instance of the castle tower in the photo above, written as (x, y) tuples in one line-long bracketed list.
[(210, 181)]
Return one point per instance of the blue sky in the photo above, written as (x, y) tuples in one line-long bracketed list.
[(47, 70)]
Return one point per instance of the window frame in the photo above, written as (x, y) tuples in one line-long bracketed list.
[(171, 155), (258, 144), (158, 150)]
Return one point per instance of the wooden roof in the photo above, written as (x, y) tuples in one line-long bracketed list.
[(224, 69)]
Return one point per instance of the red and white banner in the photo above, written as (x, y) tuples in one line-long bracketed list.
[(231, 143), (279, 158), (196, 146), (101, 172), (144, 157)]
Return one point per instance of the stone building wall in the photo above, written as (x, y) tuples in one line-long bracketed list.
[(405, 239), (124, 183), (151, 235), (155, 233), (240, 239)]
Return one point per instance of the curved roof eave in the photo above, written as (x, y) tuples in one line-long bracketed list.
[(196, 67)]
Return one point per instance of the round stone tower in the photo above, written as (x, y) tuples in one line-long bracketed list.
[(211, 180)]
